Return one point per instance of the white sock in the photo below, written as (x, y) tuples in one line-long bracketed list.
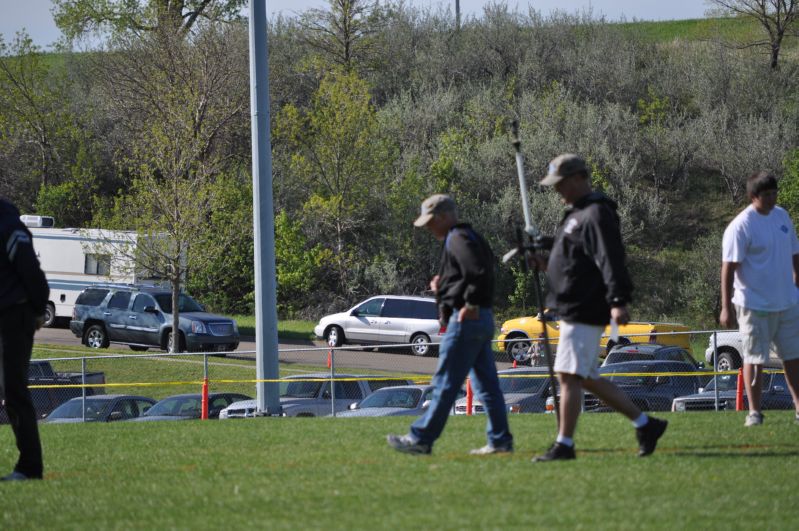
[(641, 421), (566, 441)]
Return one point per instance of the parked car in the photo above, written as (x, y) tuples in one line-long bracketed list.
[(775, 394), (189, 406), (729, 346), (308, 395), (51, 394), (403, 400), (385, 319), (651, 385), (100, 408), (525, 390), (516, 335), (648, 352), (141, 317)]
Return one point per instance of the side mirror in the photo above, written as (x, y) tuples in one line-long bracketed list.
[(426, 404), (353, 406), (145, 409), (355, 313), (326, 395), (150, 309), (700, 390), (701, 365), (778, 389), (115, 415)]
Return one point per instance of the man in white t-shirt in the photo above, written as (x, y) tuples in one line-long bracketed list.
[(759, 276)]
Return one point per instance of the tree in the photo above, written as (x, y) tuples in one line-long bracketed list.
[(76, 18), (778, 18), (178, 100)]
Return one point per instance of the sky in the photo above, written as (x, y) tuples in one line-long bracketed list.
[(35, 16)]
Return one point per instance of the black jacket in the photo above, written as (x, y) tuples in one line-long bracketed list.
[(587, 272), (21, 277), (466, 272)]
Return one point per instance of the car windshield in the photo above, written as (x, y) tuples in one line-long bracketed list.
[(518, 384), (74, 409), (388, 397), (726, 382), (184, 406), (299, 389), (185, 303), (635, 378)]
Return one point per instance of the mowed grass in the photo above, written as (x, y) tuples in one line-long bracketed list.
[(289, 473)]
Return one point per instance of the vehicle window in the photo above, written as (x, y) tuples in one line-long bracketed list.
[(219, 402), (348, 390), (521, 385), (97, 264), (185, 303), (141, 301), (370, 308), (177, 406), (405, 398), (119, 300), (92, 297), (727, 382), (142, 406), (424, 310), (374, 385), (397, 308), (73, 409), (300, 389)]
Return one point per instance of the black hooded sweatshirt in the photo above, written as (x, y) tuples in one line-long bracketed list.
[(466, 271), (21, 277), (586, 270)]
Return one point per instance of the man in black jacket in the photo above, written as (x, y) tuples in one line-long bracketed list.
[(464, 288), (588, 286), (23, 299)]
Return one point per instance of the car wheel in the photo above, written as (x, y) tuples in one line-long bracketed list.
[(181, 347), (519, 350), (420, 345), (335, 336), (49, 316), (728, 361), (96, 337), (137, 348)]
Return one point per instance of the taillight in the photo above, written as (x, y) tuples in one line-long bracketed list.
[(74, 314), (442, 330)]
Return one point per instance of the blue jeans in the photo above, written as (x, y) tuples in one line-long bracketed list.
[(466, 349)]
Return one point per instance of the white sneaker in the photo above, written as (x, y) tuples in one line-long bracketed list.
[(754, 419), (490, 450)]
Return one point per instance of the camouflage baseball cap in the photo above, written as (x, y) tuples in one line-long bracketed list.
[(564, 166), (435, 204)]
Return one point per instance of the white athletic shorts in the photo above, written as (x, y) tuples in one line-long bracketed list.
[(578, 349), (759, 330)]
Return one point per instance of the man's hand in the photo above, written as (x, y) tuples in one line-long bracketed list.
[(727, 318), (620, 314), (465, 314), (434, 284)]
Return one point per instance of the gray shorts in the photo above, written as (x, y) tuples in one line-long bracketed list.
[(760, 330), (578, 349)]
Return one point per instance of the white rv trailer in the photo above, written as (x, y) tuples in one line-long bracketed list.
[(73, 259)]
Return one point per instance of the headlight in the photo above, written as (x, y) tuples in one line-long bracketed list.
[(197, 327), (235, 327), (223, 414), (679, 406)]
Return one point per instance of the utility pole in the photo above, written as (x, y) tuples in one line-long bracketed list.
[(457, 15)]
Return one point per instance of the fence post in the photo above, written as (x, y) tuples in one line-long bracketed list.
[(739, 392), (469, 396), (716, 369), (83, 387), (204, 407), (332, 365)]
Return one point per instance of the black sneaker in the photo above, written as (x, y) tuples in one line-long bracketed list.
[(649, 434), (406, 444), (18, 476), (556, 452)]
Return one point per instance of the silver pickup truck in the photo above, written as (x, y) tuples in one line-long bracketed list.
[(729, 346)]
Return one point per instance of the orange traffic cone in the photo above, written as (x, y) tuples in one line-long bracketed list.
[(469, 396), (204, 411), (739, 392)]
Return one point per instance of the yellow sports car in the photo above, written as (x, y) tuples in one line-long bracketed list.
[(523, 337)]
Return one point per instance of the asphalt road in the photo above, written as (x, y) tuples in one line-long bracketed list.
[(300, 352)]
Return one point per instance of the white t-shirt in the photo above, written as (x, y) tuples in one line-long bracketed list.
[(764, 247)]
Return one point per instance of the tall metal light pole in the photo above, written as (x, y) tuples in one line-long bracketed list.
[(263, 217)]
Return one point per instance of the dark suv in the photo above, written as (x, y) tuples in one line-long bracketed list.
[(140, 316)]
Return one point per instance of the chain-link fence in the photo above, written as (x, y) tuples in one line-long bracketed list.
[(684, 371)]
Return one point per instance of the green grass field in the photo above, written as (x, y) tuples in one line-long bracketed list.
[(285, 473)]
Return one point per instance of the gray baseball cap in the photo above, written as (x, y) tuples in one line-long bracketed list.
[(435, 204), (564, 166)]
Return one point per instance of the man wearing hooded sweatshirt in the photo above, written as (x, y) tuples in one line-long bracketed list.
[(588, 286)]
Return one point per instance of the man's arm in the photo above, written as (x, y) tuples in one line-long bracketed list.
[(796, 269), (727, 316)]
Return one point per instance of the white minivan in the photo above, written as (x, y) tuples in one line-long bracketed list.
[(386, 319)]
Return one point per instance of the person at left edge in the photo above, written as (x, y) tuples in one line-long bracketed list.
[(23, 300), (464, 288)]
